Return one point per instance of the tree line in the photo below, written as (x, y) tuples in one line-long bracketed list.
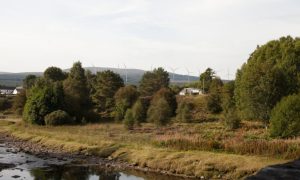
[(266, 88)]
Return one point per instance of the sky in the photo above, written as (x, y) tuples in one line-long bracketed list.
[(185, 35)]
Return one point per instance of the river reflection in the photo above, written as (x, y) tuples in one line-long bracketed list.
[(77, 173)]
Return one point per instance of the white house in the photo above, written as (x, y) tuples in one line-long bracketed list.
[(190, 91), (10, 91), (17, 90)]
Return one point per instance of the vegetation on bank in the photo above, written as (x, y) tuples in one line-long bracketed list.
[(185, 148)]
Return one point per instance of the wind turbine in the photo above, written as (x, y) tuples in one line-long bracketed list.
[(173, 71), (188, 72), (126, 73)]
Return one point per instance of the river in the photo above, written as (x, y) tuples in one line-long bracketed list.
[(22, 166)]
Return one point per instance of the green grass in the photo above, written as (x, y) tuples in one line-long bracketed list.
[(200, 149)]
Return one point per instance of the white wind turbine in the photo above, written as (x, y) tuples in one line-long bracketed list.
[(173, 73)]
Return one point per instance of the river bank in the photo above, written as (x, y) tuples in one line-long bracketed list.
[(110, 146)]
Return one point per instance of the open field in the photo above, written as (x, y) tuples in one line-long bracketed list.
[(202, 149)]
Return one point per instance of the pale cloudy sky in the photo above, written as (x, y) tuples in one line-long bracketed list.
[(192, 34)]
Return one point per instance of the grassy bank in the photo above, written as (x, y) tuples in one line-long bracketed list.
[(203, 149)]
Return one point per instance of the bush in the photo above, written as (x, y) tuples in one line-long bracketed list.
[(129, 120), (159, 112), (41, 101), (214, 103), (139, 112), (169, 96), (120, 111), (184, 111), (58, 117), (4, 104), (285, 117), (232, 121), (19, 102)]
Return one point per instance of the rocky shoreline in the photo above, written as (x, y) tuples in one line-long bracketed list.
[(16, 145)]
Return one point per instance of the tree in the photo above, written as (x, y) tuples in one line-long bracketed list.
[(285, 117), (29, 81), (19, 102), (41, 101), (159, 112), (169, 96), (55, 74), (228, 100), (129, 120), (153, 81), (107, 83), (206, 78), (214, 101), (124, 99), (184, 111), (77, 97), (139, 111), (232, 121), (271, 72)]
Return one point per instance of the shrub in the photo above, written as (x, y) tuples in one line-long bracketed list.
[(120, 111), (285, 117), (129, 120), (214, 103), (169, 96), (232, 121), (4, 104), (19, 102), (159, 112), (184, 111), (58, 117), (139, 112), (41, 101)]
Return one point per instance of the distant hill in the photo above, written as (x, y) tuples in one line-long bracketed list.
[(133, 76)]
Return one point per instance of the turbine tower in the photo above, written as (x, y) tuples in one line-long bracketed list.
[(188, 73), (173, 71), (126, 74)]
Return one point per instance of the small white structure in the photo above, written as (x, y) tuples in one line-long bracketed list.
[(18, 90), (190, 91), (6, 91)]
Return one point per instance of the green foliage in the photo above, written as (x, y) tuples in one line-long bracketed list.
[(214, 103), (77, 97), (232, 121), (214, 99), (54, 74), (91, 81), (139, 112), (120, 110), (41, 101), (124, 99), (129, 120), (206, 79), (228, 100), (29, 81), (184, 111), (272, 72), (58, 117), (153, 81), (159, 112), (4, 103), (169, 96), (285, 117), (19, 102), (107, 83)]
